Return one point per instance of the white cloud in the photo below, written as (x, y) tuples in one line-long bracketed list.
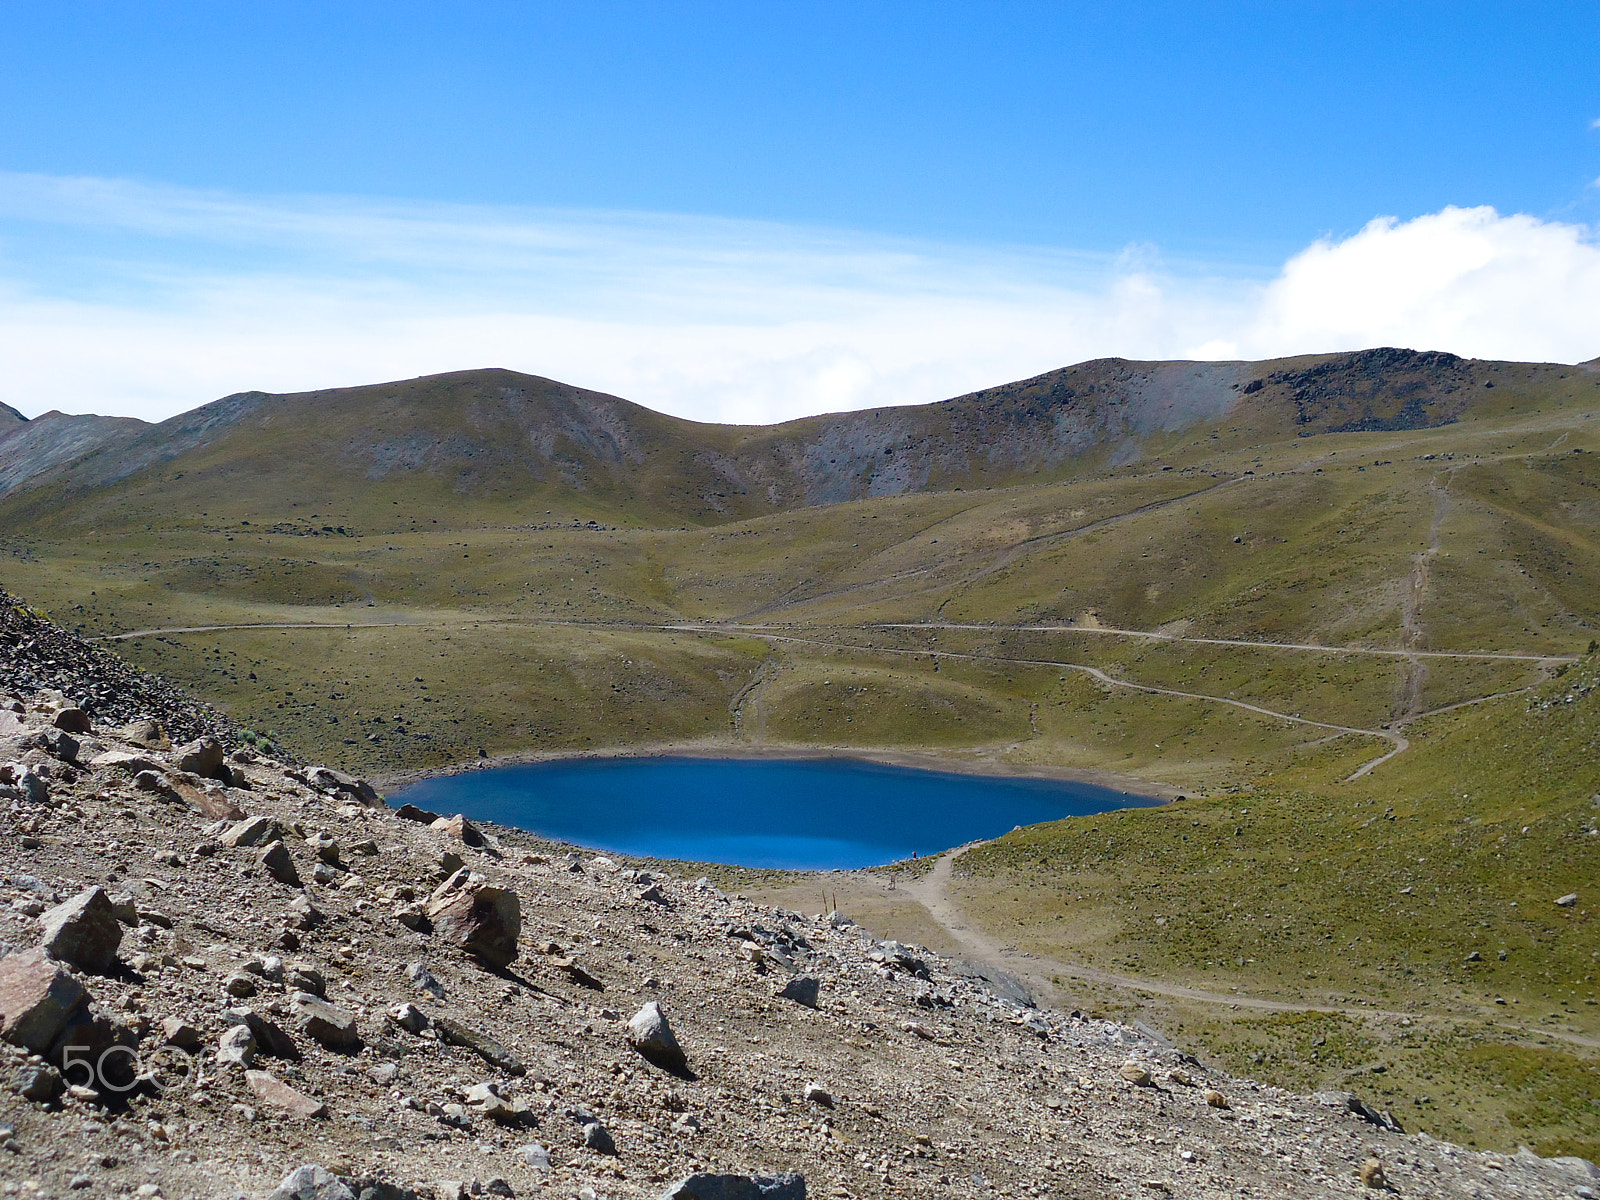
[(1466, 280), (124, 298)]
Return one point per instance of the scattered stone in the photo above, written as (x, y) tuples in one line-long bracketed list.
[(272, 1090), (410, 812), (651, 1035), (84, 931), (252, 831), (1136, 1074), (202, 757), (276, 861), (817, 1094), (598, 1139), (330, 780), (453, 1033), (311, 1182), (535, 1156), (738, 1187), (1568, 900), (146, 732), (72, 720), (577, 974), (326, 1024), (324, 847), (409, 1017), (240, 985), (411, 916), (461, 829), (175, 1031), (37, 999), (236, 1047), (1215, 1099), (487, 1101), (422, 978), (304, 978), (1372, 1175), (484, 921), (38, 1082)]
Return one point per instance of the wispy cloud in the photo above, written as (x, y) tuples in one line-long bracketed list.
[(128, 298)]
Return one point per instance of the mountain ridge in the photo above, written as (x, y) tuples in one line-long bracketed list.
[(528, 441)]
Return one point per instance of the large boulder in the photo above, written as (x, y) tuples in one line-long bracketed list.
[(484, 921), (651, 1036), (707, 1186), (37, 999), (84, 931)]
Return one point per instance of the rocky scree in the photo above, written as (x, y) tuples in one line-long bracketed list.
[(425, 1010)]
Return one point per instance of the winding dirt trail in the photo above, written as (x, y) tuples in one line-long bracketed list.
[(932, 892)]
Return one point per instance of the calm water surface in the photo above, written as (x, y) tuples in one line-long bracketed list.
[(803, 814)]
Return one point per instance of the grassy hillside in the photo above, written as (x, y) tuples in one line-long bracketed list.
[(1162, 574)]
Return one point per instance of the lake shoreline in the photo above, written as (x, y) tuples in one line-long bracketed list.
[(922, 760)]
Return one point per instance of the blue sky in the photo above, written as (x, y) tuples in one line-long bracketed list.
[(755, 182)]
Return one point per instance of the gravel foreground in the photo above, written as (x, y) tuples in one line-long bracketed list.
[(218, 969)]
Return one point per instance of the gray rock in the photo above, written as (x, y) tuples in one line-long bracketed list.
[(535, 1156), (422, 978), (38, 1082), (311, 1182), (304, 978), (324, 847), (802, 989), (487, 1101), (738, 1187), (236, 1047), (409, 1017), (1567, 901), (84, 931), (146, 732), (459, 827), (651, 1035), (276, 861), (818, 1094), (454, 1033), (240, 985), (596, 1138), (252, 831), (324, 1023)]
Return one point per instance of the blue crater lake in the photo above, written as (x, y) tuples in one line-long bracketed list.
[(800, 814)]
